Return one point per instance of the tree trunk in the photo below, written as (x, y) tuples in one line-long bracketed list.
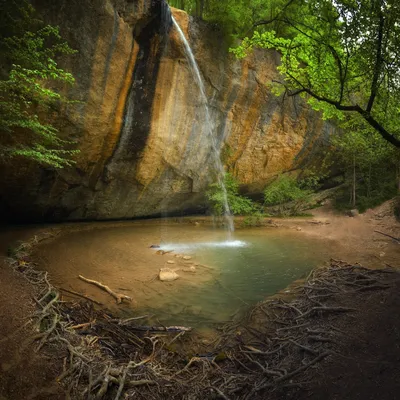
[(398, 179), (369, 182), (353, 203)]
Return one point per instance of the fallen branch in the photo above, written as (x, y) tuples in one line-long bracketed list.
[(118, 297), (390, 236)]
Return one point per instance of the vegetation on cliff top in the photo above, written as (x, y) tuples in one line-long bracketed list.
[(236, 17), (28, 98)]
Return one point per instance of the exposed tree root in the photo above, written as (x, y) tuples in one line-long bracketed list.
[(83, 296)]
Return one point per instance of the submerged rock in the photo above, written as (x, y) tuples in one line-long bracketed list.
[(192, 268), (187, 257), (170, 262), (167, 275)]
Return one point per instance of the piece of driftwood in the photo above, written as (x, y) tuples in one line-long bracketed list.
[(117, 296)]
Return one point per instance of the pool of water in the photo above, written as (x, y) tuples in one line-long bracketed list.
[(230, 274), (253, 264)]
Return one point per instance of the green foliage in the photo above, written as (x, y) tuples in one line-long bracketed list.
[(236, 17), (256, 219), (288, 196), (284, 189), (342, 56), (26, 93), (239, 205)]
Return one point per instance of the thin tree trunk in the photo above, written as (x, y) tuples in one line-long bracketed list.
[(369, 182), (398, 179), (354, 183)]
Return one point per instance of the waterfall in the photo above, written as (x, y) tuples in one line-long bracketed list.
[(209, 126)]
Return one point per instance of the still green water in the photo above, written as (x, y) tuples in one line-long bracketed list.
[(251, 265)]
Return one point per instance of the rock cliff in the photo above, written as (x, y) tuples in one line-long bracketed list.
[(139, 126)]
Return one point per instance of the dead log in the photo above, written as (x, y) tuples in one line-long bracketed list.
[(117, 296)]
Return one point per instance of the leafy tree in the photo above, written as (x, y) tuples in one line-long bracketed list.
[(239, 205), (28, 72), (342, 55)]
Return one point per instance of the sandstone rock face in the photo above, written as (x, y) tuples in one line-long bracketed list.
[(140, 128)]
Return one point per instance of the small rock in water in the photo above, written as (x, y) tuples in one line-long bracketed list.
[(298, 229), (154, 246), (187, 257), (382, 254), (192, 268), (178, 255), (170, 262), (167, 275), (197, 223)]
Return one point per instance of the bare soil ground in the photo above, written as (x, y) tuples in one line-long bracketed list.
[(24, 374), (365, 359)]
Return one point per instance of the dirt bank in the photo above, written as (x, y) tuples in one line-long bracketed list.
[(24, 373)]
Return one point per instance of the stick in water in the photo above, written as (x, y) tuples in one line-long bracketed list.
[(117, 296)]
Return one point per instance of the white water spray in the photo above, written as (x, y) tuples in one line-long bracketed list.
[(209, 126)]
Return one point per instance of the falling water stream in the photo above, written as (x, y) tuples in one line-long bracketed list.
[(209, 126)]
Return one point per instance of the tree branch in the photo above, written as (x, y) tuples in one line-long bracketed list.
[(349, 108), (378, 62), (277, 16)]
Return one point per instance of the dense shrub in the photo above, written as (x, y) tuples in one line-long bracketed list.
[(238, 205), (284, 189)]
